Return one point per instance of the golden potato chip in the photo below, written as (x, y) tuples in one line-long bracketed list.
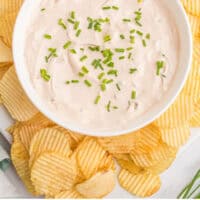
[(76, 138), (89, 156), (192, 6), (107, 163), (4, 68), (149, 138), (69, 194), (73, 143), (119, 144), (195, 25), (143, 185), (20, 157), (98, 185), (8, 13), (129, 165), (1, 101), (195, 120), (177, 114), (14, 98), (53, 173), (196, 49), (5, 53), (48, 140), (192, 87), (176, 137), (161, 152), (161, 166)]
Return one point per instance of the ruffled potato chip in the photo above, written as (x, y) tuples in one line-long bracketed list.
[(98, 185), (195, 25), (89, 156), (177, 114), (176, 137), (161, 152), (69, 194), (14, 97), (119, 144), (143, 185), (149, 138), (129, 165), (53, 173), (8, 13), (195, 120), (20, 157), (107, 163), (5, 53), (192, 6), (4, 68), (48, 140)]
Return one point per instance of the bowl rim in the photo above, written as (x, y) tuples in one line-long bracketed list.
[(77, 129)]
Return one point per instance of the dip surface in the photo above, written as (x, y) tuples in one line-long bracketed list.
[(100, 64)]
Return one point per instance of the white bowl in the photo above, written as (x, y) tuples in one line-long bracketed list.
[(180, 17)]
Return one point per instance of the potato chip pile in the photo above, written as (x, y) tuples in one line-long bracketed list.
[(59, 163)]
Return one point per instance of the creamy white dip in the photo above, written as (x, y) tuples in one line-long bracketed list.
[(110, 60)]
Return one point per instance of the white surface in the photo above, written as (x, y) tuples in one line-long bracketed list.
[(176, 10), (173, 180)]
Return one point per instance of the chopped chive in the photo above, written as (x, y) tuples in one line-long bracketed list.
[(67, 44), (126, 20), (106, 8), (51, 54), (82, 49), (112, 72), (105, 81), (44, 74), (67, 82), (83, 58), (81, 74), (43, 9), (100, 76), (95, 48), (122, 36), (129, 48), (129, 55), (71, 21), (115, 7), (47, 36), (97, 63), (88, 83), (74, 81), (76, 25), (119, 50), (115, 107), (111, 64), (133, 94), (117, 85), (84, 70), (132, 31), (121, 57), (96, 101), (148, 36), (78, 32), (132, 70), (61, 23), (73, 51), (144, 43), (139, 33), (107, 38), (108, 106), (103, 87), (138, 17), (132, 39), (159, 65), (72, 15)]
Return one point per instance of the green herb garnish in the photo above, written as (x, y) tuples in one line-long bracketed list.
[(83, 58), (132, 70), (78, 33), (133, 94), (108, 106), (61, 23), (100, 76), (96, 101), (159, 66), (144, 43), (47, 36), (51, 54), (106, 38), (126, 20), (117, 85), (88, 83), (67, 44), (44, 74), (85, 70), (73, 51), (113, 72), (122, 36), (119, 50)]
